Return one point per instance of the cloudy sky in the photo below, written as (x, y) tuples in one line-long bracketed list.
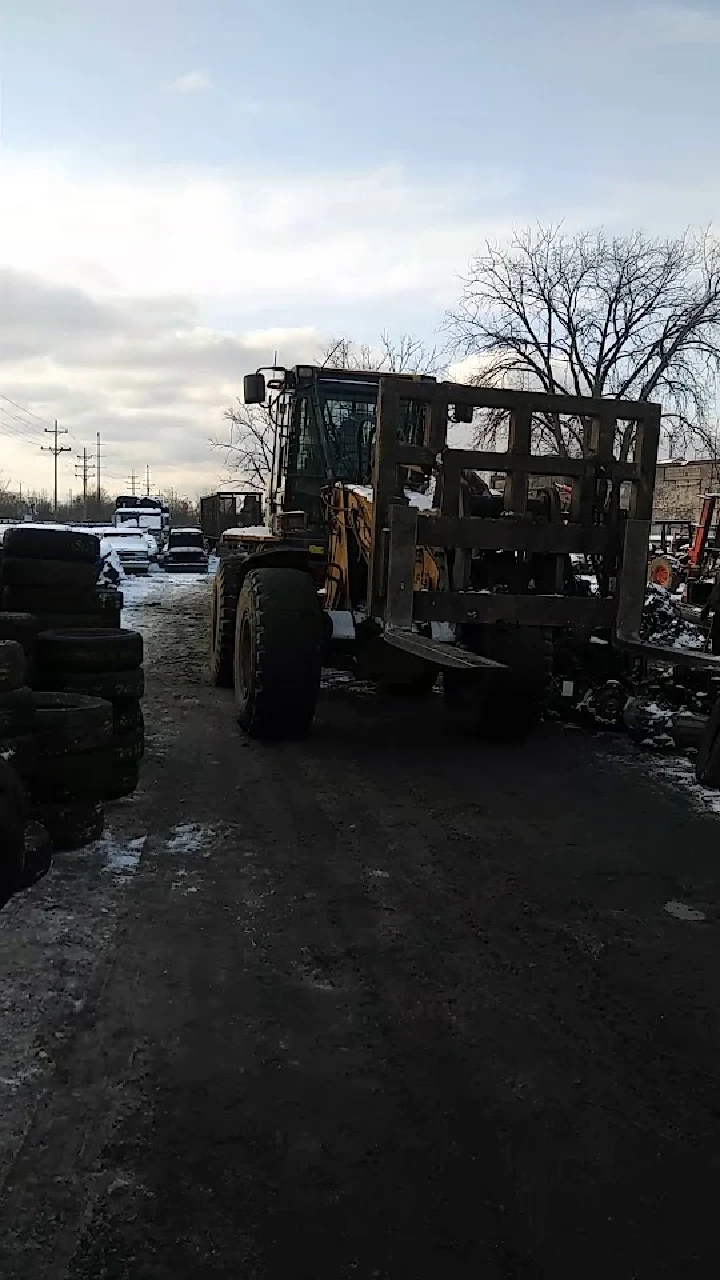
[(187, 185)]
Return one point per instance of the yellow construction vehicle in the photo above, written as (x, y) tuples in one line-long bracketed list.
[(390, 555)]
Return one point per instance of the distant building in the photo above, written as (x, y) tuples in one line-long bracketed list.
[(681, 486)]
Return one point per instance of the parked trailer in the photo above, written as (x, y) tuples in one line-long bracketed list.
[(229, 510)]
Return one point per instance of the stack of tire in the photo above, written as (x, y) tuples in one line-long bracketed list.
[(105, 664), (53, 574), (14, 814), (23, 629), (17, 711), (71, 783), (25, 848)]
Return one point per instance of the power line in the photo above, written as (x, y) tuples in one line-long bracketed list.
[(83, 469), (23, 409), (26, 430), (55, 449)]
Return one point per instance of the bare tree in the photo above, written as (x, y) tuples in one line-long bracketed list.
[(249, 447), (628, 317), (404, 354)]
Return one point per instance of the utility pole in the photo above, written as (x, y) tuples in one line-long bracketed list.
[(83, 469), (55, 449), (97, 474), (133, 482), (147, 481)]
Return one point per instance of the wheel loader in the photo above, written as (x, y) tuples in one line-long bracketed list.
[(390, 556)]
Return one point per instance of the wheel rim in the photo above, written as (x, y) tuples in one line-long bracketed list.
[(245, 656)]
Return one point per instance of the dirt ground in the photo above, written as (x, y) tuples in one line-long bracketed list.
[(380, 1004)]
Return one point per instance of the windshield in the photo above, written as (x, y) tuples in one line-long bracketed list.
[(136, 545), (189, 539), (349, 416)]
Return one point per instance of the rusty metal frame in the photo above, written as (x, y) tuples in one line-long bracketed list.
[(398, 529)]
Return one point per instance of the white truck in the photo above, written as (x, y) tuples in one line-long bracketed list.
[(150, 514)]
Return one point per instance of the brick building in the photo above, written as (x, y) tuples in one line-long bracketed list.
[(681, 486)]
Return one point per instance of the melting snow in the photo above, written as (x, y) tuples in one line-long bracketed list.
[(188, 837), (122, 858), (683, 912), (421, 501), (680, 772), (252, 531)]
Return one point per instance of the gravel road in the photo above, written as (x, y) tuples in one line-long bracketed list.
[(379, 1004)]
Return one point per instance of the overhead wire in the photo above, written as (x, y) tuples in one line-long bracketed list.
[(24, 431)]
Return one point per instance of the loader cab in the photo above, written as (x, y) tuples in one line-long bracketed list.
[(324, 423)]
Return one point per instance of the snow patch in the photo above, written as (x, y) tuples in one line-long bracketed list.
[(682, 912), (680, 772), (188, 837), (252, 531), (420, 501), (121, 858)]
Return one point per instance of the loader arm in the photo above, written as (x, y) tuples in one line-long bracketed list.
[(351, 529)]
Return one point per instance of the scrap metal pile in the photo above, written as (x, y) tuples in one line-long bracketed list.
[(662, 706)]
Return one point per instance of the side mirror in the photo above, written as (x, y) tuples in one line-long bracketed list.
[(463, 413), (254, 388)]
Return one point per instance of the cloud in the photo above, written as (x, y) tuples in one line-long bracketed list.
[(212, 234), (675, 24), (150, 377), (191, 82), (133, 300)]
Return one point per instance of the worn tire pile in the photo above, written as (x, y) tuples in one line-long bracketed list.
[(52, 574), (105, 665), (25, 848), (71, 724)]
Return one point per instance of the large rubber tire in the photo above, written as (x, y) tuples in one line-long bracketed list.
[(14, 813), (21, 627), (70, 600), (101, 619), (707, 761), (51, 544), (127, 716), (88, 650), (277, 653), (122, 781), (18, 572), (501, 705), (20, 751), (12, 853), (38, 854), (110, 598), (222, 624), (72, 826), (77, 777), (17, 712), (67, 723), (128, 748), (113, 686), (12, 666), (13, 794)]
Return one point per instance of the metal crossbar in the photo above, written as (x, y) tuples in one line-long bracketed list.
[(594, 525)]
